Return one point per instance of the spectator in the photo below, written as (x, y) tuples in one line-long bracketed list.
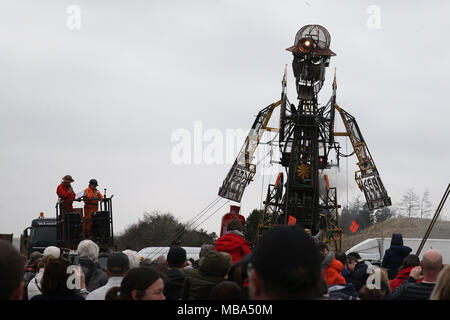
[(173, 283), (408, 264), (54, 282), (34, 286), (205, 248), (358, 270), (160, 268), (333, 273), (133, 256), (226, 290), (333, 267), (342, 292), (88, 259), (139, 284), (233, 241), (286, 265), (394, 256), (11, 272), (336, 291), (146, 262), (189, 266), (342, 257), (441, 290), (52, 251), (431, 265), (161, 260), (376, 289), (30, 271), (213, 268), (118, 264)]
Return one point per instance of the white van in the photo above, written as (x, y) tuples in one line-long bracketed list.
[(374, 248)]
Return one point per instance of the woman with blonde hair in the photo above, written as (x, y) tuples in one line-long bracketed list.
[(441, 289)]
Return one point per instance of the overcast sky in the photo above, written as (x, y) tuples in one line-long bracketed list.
[(100, 96)]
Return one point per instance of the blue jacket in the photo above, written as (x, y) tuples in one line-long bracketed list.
[(394, 256)]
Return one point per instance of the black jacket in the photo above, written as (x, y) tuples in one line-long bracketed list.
[(394, 256), (359, 276), (173, 284), (94, 275)]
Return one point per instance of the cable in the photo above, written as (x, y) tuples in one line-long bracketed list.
[(211, 215), (188, 224)]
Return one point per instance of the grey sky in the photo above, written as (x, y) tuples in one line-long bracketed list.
[(102, 102)]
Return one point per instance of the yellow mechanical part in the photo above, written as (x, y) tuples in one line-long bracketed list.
[(303, 171)]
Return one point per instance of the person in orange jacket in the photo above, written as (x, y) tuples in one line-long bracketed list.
[(91, 198), (333, 273), (333, 267)]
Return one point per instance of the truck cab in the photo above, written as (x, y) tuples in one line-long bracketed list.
[(41, 234)]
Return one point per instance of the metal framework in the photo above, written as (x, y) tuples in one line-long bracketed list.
[(306, 137)]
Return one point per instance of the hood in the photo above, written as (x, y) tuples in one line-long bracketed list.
[(336, 265), (327, 259), (230, 241), (400, 249), (397, 239)]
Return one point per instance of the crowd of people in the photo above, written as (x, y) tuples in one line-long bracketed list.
[(286, 264)]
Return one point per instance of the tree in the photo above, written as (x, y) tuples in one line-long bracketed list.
[(162, 230), (251, 224), (409, 204), (383, 214), (425, 205)]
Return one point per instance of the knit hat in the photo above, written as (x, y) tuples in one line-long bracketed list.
[(176, 256), (118, 262), (215, 264), (205, 249)]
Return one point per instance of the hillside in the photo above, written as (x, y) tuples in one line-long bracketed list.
[(408, 227)]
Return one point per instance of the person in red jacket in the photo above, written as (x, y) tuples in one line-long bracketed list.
[(410, 262), (233, 242), (66, 195)]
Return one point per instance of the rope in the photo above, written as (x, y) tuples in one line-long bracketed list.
[(433, 221), (211, 215), (188, 224)]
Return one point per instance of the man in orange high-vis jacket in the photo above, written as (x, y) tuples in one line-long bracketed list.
[(91, 198)]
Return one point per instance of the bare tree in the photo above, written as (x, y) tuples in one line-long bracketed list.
[(425, 204), (410, 203)]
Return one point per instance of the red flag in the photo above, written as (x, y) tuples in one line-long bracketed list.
[(291, 220), (354, 227)]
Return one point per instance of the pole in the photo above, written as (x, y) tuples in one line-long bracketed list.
[(433, 221)]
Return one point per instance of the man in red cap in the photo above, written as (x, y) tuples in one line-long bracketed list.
[(66, 195)]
